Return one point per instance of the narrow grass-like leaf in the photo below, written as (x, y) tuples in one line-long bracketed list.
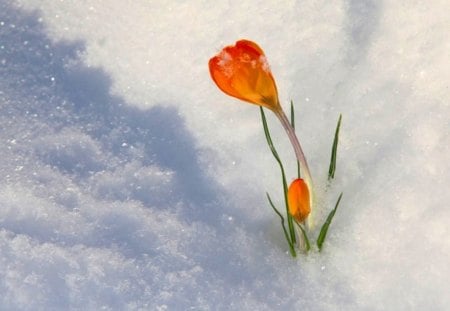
[(332, 168), (283, 175), (286, 235), (305, 237), (293, 126), (268, 138), (326, 224)]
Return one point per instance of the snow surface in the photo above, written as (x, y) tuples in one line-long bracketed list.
[(129, 181)]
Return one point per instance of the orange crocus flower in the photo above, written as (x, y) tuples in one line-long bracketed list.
[(298, 200), (242, 71)]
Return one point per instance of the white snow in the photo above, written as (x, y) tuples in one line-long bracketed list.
[(129, 181)]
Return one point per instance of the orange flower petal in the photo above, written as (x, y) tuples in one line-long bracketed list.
[(242, 71), (298, 200)]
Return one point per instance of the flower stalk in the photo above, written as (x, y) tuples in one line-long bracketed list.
[(242, 71), (304, 168)]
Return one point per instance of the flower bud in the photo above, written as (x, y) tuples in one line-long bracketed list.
[(298, 200)]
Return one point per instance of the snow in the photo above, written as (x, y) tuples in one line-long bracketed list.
[(129, 181)]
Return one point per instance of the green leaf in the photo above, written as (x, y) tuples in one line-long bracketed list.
[(268, 138), (326, 225), (332, 168), (283, 175), (286, 235)]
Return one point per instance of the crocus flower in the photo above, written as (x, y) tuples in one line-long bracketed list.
[(242, 71), (298, 200)]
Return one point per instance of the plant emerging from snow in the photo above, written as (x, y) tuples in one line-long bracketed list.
[(242, 71)]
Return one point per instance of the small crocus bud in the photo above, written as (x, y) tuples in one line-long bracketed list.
[(298, 200), (242, 71)]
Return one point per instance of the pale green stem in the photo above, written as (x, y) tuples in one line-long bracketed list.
[(300, 158)]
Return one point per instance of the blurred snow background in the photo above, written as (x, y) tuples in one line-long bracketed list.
[(128, 181)]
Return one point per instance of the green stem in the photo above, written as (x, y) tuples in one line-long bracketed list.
[(305, 237)]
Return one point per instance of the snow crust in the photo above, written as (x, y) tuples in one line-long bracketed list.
[(128, 181)]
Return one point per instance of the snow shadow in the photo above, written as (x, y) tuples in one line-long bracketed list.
[(80, 129), (82, 168)]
